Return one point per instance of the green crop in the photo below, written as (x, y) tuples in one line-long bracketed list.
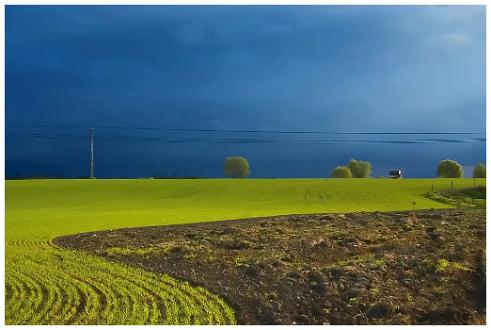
[(49, 285)]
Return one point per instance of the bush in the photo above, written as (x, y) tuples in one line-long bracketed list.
[(341, 172), (449, 169), (479, 171), (360, 168), (237, 167)]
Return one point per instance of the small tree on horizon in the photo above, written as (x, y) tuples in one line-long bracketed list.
[(449, 169), (237, 167), (341, 172), (479, 171), (360, 168)]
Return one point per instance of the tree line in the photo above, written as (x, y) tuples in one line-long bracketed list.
[(446, 169), (238, 167)]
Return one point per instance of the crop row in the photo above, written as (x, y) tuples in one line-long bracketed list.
[(49, 285)]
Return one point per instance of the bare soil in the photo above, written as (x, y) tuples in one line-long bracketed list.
[(423, 267)]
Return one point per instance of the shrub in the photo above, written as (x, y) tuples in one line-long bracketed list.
[(360, 168), (479, 171), (341, 172), (449, 169), (237, 167)]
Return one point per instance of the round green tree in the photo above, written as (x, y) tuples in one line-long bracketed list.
[(237, 167), (449, 169), (360, 168), (341, 172), (479, 171)]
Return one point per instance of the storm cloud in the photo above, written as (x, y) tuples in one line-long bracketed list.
[(252, 68)]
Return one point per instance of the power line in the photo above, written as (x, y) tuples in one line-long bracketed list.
[(243, 131), (127, 138)]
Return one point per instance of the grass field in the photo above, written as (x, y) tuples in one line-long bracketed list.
[(49, 285)]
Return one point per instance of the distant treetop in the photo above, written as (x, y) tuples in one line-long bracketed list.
[(360, 168), (479, 171), (449, 169), (341, 172), (237, 167)]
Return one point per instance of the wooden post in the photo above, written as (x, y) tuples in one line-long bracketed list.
[(92, 153)]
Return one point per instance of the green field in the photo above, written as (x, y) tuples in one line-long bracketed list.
[(48, 285)]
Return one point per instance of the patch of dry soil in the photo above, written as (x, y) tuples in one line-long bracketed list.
[(423, 267)]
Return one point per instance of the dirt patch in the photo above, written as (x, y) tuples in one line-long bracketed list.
[(424, 267)]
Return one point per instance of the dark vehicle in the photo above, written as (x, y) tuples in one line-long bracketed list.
[(395, 174)]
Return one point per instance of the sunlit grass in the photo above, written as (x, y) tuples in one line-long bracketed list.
[(48, 285)]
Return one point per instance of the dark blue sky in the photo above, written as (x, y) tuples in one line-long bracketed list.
[(280, 68)]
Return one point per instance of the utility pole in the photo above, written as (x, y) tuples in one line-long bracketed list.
[(92, 152)]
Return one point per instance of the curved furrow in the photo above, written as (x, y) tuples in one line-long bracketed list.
[(130, 288), (17, 297), (189, 304), (48, 292), (79, 307), (147, 308), (207, 301), (181, 299), (45, 298), (102, 284), (151, 315), (25, 243), (146, 287), (184, 302), (180, 302), (110, 299), (91, 300), (95, 288), (114, 293), (217, 315), (133, 309), (99, 302), (224, 310), (34, 290), (51, 292), (198, 298), (66, 294), (73, 297), (42, 282), (46, 284), (67, 300), (9, 290), (170, 291), (166, 295), (28, 297)]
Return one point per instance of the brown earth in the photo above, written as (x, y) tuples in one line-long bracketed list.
[(424, 267)]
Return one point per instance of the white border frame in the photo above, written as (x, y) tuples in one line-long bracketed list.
[(229, 2)]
